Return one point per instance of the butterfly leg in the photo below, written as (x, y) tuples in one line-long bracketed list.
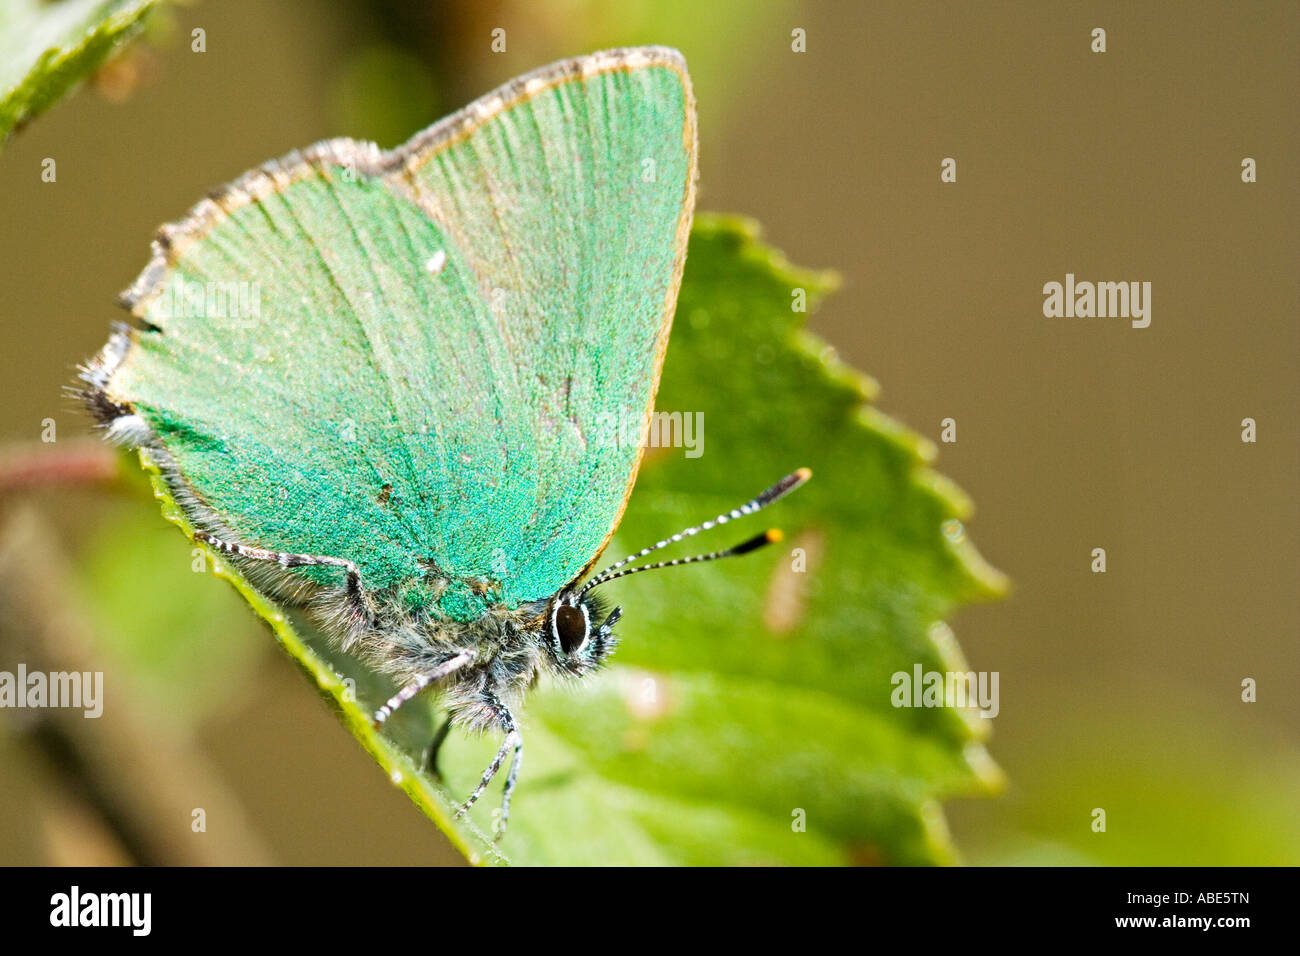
[(420, 683), (513, 741), (431, 752), (285, 559), (512, 777), (359, 617)]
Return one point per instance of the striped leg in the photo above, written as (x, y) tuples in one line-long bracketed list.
[(511, 778), (514, 742), (284, 559), (419, 684)]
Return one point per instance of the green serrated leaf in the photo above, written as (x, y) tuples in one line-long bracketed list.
[(47, 48), (748, 688), (748, 719)]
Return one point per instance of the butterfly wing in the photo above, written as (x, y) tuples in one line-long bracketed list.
[(441, 356)]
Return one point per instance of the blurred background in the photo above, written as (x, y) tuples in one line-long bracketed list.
[(1120, 690)]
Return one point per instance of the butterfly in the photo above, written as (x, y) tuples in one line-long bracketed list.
[(390, 386)]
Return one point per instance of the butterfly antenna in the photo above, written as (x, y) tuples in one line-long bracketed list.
[(779, 490)]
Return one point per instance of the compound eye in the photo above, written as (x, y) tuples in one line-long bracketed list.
[(570, 628)]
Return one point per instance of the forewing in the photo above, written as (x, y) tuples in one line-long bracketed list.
[(570, 193)]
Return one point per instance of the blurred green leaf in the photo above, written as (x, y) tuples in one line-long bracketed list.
[(718, 38), (382, 92), (747, 696), (48, 48)]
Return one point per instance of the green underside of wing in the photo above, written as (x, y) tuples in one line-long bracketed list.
[(324, 390)]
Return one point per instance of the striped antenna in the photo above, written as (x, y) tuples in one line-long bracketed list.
[(767, 537), (779, 490)]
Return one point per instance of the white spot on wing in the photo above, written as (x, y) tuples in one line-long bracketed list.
[(594, 64), (490, 108), (437, 262)]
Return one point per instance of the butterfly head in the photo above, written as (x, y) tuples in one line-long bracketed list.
[(576, 642)]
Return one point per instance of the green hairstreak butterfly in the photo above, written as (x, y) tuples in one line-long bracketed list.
[(386, 384)]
